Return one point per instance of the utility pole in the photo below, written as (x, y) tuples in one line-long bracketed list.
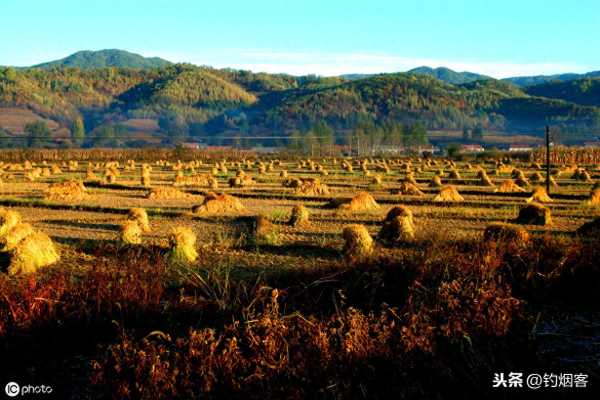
[(547, 159)]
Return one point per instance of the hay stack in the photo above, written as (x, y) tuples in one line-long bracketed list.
[(539, 195), (139, 215), (362, 202), (33, 252), (505, 232), (522, 182), (534, 214), (509, 186), (299, 216), (312, 187), (183, 246), (454, 174), (410, 178), (235, 181), (484, 179), (594, 199), (8, 219), (166, 193), (256, 228), (219, 204), (14, 235), (398, 227), (581, 174), (448, 194), (358, 241), (213, 183), (436, 181), (131, 232), (66, 191), (536, 177), (407, 188)]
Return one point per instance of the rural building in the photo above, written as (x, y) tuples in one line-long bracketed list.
[(519, 148), (471, 148)]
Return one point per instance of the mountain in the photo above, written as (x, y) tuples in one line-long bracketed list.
[(584, 91), (449, 76), (123, 106), (525, 81), (106, 58)]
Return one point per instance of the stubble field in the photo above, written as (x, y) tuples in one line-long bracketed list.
[(294, 311)]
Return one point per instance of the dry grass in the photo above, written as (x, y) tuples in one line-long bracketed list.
[(506, 232)]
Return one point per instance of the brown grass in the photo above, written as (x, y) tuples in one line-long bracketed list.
[(500, 231)]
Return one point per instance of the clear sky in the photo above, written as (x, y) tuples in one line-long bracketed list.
[(325, 37)]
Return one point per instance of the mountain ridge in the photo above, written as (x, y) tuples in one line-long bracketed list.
[(93, 59)]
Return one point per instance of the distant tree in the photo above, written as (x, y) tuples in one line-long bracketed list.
[(416, 135), (465, 133), (477, 133), (311, 143), (38, 134), (325, 134), (174, 125), (6, 140), (107, 135), (453, 150), (295, 141), (78, 131)]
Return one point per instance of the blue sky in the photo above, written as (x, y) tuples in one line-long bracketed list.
[(498, 38)]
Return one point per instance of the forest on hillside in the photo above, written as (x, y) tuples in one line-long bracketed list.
[(180, 102)]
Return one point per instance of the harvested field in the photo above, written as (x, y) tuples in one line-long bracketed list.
[(349, 271)]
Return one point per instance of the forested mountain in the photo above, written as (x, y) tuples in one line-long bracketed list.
[(449, 76), (106, 58), (125, 106), (525, 81), (581, 91)]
